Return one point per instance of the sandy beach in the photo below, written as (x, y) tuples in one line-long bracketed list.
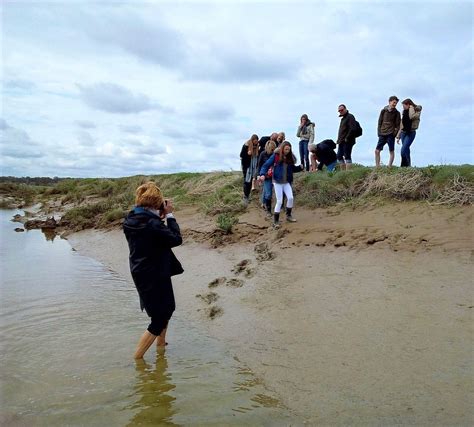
[(356, 316)]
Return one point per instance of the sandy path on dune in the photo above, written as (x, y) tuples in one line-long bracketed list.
[(361, 317)]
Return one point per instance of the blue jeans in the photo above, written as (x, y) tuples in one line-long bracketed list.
[(407, 139), (331, 166), (267, 190), (304, 154)]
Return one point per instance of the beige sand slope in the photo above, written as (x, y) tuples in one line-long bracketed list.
[(351, 316)]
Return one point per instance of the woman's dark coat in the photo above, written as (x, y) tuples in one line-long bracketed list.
[(152, 262), (245, 157)]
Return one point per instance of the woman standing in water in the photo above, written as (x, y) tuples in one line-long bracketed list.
[(410, 122), (152, 262)]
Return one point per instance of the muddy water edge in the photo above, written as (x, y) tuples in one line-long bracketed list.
[(69, 325)]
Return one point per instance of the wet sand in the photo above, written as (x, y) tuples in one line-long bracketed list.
[(357, 316)]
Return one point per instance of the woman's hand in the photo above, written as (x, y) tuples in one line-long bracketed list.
[(167, 207)]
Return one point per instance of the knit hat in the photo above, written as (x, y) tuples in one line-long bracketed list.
[(148, 195)]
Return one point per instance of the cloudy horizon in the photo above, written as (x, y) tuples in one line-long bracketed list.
[(116, 89)]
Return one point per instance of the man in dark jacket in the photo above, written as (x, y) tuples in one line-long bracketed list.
[(387, 129), (152, 262), (345, 137), (324, 154)]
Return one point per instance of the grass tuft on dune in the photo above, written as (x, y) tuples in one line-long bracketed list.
[(98, 202)]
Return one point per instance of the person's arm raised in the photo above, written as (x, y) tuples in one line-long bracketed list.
[(170, 234)]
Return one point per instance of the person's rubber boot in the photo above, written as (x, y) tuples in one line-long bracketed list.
[(268, 208), (276, 220), (289, 218), (146, 340)]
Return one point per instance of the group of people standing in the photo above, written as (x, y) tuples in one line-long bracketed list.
[(269, 161), (392, 126)]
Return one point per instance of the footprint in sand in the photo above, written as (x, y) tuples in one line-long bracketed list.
[(216, 282), (208, 298), (235, 283), (263, 253), (241, 266), (249, 272), (215, 311), (244, 267)]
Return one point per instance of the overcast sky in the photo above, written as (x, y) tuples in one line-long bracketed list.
[(124, 88)]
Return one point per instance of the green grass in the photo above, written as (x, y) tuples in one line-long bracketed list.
[(101, 201), (226, 221)]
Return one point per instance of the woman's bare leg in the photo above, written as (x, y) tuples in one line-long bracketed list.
[(161, 340), (146, 340)]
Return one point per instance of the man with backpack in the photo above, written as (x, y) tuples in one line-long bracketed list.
[(349, 130)]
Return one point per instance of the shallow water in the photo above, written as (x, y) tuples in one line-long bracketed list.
[(68, 329)]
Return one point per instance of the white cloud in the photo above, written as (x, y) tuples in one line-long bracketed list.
[(17, 144), (85, 124), (134, 129), (85, 138), (125, 88), (114, 98)]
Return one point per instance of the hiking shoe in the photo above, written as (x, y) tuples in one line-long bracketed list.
[(276, 225), (290, 219)]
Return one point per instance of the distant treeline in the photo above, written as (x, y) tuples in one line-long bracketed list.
[(42, 180)]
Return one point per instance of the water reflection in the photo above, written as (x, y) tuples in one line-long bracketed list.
[(49, 233), (155, 403)]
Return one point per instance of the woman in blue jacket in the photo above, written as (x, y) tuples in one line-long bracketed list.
[(283, 164), (267, 182)]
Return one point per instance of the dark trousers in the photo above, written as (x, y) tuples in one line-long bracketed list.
[(247, 188)]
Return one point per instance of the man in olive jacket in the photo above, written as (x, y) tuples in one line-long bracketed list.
[(387, 129)]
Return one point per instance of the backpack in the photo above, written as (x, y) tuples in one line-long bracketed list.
[(270, 169), (357, 129)]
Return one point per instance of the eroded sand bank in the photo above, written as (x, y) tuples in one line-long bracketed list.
[(351, 317)]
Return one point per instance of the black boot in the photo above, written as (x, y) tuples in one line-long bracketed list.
[(289, 218), (276, 220), (268, 208)]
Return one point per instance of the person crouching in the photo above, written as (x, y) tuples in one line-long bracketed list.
[(323, 154)]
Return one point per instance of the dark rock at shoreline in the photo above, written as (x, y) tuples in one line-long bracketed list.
[(49, 223), (18, 218), (19, 230)]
